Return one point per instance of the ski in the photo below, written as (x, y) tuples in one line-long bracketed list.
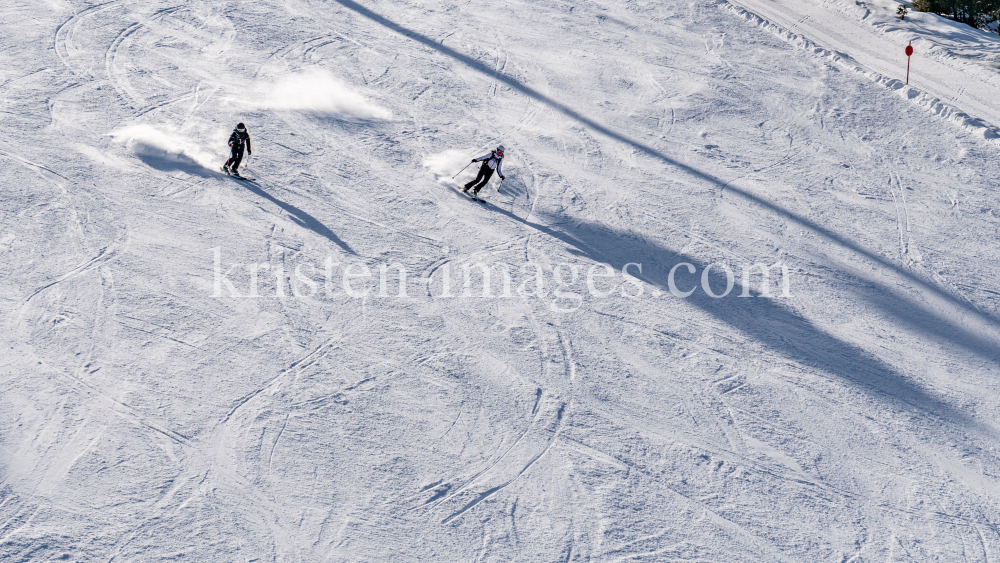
[(237, 176), (469, 195)]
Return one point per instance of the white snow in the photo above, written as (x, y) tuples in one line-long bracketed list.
[(316, 91), (312, 368), (153, 144)]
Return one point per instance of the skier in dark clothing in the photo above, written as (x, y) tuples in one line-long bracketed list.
[(236, 142), (492, 161)]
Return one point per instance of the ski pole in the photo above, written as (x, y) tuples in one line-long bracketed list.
[(460, 171)]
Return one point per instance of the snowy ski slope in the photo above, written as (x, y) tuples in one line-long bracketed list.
[(955, 70), (196, 368)]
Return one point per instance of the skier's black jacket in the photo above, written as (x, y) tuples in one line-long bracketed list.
[(237, 139)]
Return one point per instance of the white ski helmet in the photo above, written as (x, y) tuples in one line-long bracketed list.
[(500, 149)]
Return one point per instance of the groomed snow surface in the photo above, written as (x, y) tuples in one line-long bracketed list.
[(196, 368)]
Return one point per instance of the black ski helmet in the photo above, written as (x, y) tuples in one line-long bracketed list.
[(240, 127)]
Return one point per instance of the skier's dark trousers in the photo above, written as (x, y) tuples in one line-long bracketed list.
[(485, 173), (491, 161), (237, 141)]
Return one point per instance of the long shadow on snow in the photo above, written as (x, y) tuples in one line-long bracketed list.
[(941, 326), (184, 163), (762, 319), (300, 217), (175, 162)]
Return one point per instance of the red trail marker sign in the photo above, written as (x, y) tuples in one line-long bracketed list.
[(909, 51)]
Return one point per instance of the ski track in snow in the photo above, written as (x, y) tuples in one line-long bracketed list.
[(143, 418)]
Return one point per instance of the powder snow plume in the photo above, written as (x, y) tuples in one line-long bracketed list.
[(446, 164), (154, 145), (319, 92)]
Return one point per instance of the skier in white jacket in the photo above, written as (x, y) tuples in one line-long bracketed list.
[(492, 161)]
